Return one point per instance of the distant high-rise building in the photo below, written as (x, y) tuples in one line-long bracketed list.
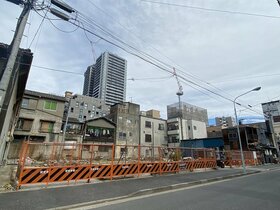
[(88, 82), (106, 79), (225, 121)]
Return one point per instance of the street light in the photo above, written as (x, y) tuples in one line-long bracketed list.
[(237, 125)]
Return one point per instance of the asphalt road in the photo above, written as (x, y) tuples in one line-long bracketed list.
[(71, 195), (258, 192)]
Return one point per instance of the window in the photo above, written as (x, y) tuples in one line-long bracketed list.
[(194, 127), (276, 118), (189, 127), (24, 124), (46, 126), (50, 105), (173, 139), (148, 138), (232, 136), (77, 104), (148, 124), (86, 106), (173, 126), (25, 103), (122, 135), (72, 109), (161, 126)]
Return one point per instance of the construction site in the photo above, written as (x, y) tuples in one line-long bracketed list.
[(44, 163)]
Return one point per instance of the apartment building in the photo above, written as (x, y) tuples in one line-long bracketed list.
[(126, 117), (153, 132), (106, 79), (185, 121)]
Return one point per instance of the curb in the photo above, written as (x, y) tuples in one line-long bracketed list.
[(156, 190), (187, 184)]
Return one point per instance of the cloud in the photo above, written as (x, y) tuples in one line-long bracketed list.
[(221, 49)]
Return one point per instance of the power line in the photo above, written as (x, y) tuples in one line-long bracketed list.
[(248, 77), (38, 29), (183, 72), (212, 10), (57, 70), (151, 78), (130, 49)]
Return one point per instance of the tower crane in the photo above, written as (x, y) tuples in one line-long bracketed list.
[(180, 88), (179, 94)]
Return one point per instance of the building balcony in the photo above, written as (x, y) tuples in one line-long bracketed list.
[(173, 132)]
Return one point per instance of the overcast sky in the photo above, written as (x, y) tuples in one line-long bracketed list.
[(227, 53)]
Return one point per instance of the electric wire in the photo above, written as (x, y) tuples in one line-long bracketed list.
[(183, 72), (130, 51), (37, 31), (111, 35), (212, 10)]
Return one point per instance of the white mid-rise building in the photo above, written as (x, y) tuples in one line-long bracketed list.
[(185, 121)]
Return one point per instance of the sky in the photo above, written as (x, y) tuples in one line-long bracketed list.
[(218, 46)]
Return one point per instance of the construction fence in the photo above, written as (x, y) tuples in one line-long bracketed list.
[(233, 158), (64, 162)]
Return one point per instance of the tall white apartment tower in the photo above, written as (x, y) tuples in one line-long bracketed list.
[(108, 79)]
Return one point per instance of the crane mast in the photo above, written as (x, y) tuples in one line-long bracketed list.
[(179, 93)]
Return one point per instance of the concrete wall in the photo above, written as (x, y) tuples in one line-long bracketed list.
[(126, 117), (158, 136), (85, 108), (197, 129), (190, 129)]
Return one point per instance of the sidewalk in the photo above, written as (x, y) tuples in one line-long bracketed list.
[(96, 192)]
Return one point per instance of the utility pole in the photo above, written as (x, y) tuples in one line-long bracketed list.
[(5, 80), (5, 90), (275, 144)]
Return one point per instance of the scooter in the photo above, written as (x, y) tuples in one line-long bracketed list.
[(221, 163)]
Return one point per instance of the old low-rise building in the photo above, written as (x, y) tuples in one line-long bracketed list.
[(126, 117), (214, 131), (153, 132), (40, 119)]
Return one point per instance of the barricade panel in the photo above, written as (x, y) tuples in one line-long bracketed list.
[(100, 171), (125, 169), (146, 167), (169, 167), (34, 175)]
